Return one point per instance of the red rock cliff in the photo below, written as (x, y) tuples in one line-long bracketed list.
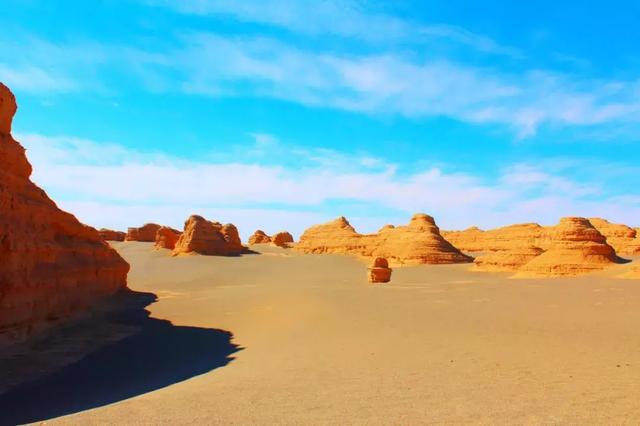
[(51, 265)]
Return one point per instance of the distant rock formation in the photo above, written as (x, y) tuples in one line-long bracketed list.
[(146, 233), (166, 238), (259, 237), (209, 238), (282, 239), (505, 238), (380, 271), (506, 260), (576, 248), (110, 235), (51, 265), (624, 239), (419, 242)]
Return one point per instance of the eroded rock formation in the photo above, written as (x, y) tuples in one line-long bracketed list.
[(419, 242), (259, 237), (380, 271), (146, 233), (209, 238), (506, 260), (51, 265), (111, 235), (624, 239), (505, 238), (282, 239), (166, 238), (576, 248)]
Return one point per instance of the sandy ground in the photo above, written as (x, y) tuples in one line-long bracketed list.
[(439, 344)]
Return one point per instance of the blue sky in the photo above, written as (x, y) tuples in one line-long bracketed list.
[(281, 114)]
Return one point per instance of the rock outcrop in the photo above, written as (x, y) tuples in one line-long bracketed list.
[(145, 234), (505, 238), (419, 242), (506, 260), (380, 271), (624, 239), (209, 238), (166, 238), (282, 239), (111, 235), (576, 248), (51, 265), (259, 237)]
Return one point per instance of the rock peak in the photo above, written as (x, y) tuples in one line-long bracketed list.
[(8, 108)]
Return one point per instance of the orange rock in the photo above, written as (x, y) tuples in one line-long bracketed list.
[(259, 237), (282, 239), (110, 235), (624, 239), (209, 238), (520, 236), (51, 265), (146, 233), (576, 248), (419, 242), (506, 260), (166, 238), (380, 271)]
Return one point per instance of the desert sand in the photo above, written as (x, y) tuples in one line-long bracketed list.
[(305, 339)]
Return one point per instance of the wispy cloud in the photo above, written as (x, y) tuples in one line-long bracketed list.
[(76, 173), (344, 18)]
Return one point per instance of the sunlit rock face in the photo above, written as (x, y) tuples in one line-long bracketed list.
[(51, 265), (624, 239), (166, 238), (419, 242), (146, 233), (111, 235), (201, 236), (576, 248)]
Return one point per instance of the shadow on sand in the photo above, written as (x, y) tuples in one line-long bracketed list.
[(159, 355)]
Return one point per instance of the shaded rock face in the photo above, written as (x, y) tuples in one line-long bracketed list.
[(520, 236), (145, 234), (209, 238), (282, 239), (576, 248), (380, 271), (166, 238), (419, 242), (110, 235), (259, 237), (624, 239), (51, 265)]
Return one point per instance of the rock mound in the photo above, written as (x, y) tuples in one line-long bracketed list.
[(259, 237), (111, 235), (419, 242), (380, 271), (146, 233), (209, 238), (506, 260), (166, 238), (51, 265), (282, 239), (624, 239), (510, 237), (576, 248)]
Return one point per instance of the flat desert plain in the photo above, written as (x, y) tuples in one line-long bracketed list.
[(304, 339)]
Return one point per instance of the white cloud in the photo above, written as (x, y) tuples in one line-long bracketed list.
[(131, 187)]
